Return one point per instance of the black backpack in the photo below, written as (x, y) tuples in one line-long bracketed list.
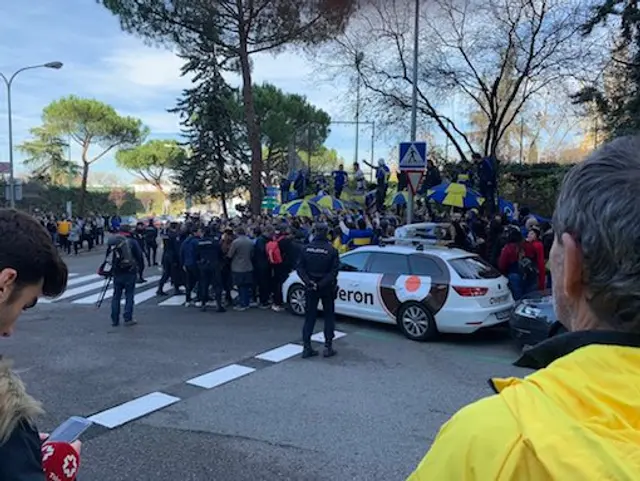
[(119, 258), (526, 267)]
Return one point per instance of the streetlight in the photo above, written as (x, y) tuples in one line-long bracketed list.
[(8, 82), (359, 59), (414, 96)]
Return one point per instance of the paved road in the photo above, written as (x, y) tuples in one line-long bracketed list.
[(368, 414)]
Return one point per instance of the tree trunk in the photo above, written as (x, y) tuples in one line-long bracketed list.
[(223, 199), (253, 130), (83, 188)]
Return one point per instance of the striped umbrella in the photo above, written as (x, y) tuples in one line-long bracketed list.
[(329, 202), (302, 208), (455, 195), (400, 198)]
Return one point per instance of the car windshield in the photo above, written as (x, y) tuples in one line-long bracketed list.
[(474, 268)]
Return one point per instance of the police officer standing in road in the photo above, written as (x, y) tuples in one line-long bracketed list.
[(318, 269), (209, 258)]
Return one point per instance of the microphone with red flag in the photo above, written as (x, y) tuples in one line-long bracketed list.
[(60, 461)]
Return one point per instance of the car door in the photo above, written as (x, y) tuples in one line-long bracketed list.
[(352, 269), (384, 269)]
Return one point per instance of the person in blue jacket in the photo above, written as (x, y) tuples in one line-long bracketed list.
[(340, 178)]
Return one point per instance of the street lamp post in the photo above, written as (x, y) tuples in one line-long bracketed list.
[(414, 97), (359, 59), (9, 82)]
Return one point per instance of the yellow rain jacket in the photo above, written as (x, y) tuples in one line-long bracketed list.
[(576, 420)]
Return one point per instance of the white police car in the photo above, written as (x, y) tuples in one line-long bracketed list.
[(425, 290)]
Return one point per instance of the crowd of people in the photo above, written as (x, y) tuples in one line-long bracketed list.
[(576, 417)]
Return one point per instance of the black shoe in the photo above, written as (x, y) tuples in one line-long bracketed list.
[(308, 352), (329, 351), (161, 293), (132, 322)]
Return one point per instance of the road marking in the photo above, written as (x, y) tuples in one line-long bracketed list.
[(80, 280), (73, 274), (143, 296), (76, 291), (92, 299), (319, 337), (281, 353), (220, 376), (174, 301), (124, 413)]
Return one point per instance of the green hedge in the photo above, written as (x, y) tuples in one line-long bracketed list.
[(44, 198), (532, 185)]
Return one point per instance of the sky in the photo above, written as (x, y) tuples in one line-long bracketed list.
[(102, 62)]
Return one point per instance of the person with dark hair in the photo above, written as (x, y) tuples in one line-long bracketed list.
[(125, 257), (241, 255), (576, 418), (318, 269), (30, 268), (518, 263)]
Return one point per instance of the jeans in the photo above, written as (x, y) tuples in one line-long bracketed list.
[(327, 296), (244, 282), (519, 288), (125, 282)]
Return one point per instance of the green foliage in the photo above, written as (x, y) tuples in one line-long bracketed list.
[(285, 119), (616, 100), (51, 198), (322, 160), (230, 31), (533, 185), (152, 160), (46, 158), (260, 24), (91, 124), (218, 162)]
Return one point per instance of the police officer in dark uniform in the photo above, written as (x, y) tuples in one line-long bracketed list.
[(209, 258), (170, 256), (318, 268), (151, 243)]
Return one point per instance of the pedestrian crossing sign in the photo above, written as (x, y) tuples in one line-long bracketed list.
[(413, 155)]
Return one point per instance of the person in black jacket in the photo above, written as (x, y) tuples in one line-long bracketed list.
[(209, 259), (30, 267), (318, 269), (262, 270), (151, 243)]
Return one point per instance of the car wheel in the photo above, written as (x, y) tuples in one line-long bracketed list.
[(296, 300), (416, 322)]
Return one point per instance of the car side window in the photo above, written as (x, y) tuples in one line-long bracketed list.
[(422, 265), (385, 263), (355, 262)]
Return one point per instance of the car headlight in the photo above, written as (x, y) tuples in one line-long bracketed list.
[(526, 310)]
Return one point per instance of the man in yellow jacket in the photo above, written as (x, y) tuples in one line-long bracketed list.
[(577, 417)]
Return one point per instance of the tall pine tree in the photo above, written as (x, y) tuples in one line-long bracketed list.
[(219, 161), (617, 99)]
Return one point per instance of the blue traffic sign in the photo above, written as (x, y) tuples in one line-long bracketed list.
[(413, 155)]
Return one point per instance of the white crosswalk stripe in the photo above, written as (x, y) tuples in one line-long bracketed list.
[(86, 289)]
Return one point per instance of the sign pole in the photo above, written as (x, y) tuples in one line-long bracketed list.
[(414, 99)]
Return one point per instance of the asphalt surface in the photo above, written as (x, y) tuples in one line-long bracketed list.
[(370, 413)]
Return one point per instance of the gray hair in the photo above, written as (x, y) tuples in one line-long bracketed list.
[(599, 206)]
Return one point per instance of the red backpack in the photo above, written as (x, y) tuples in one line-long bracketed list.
[(273, 252)]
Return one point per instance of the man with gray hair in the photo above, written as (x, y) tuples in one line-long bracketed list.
[(577, 417)]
